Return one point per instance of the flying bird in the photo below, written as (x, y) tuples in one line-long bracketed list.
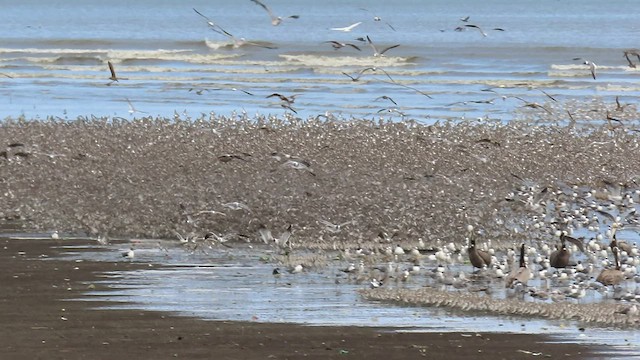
[(375, 49), (385, 97), (275, 20), (132, 109), (339, 45), (591, 64), (347, 28), (288, 100), (477, 27), (113, 77), (361, 72), (631, 52), (215, 27)]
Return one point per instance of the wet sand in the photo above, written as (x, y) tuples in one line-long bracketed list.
[(42, 320)]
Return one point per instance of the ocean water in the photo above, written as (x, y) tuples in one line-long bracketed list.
[(56, 54)]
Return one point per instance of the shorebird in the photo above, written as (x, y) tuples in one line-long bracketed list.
[(132, 109), (334, 228), (522, 275), (377, 53), (225, 158), (347, 28), (339, 45), (130, 254), (275, 20), (619, 106), (358, 75), (484, 34), (113, 77), (385, 97), (393, 82), (533, 105), (591, 64), (634, 53), (629, 310), (288, 100), (213, 26), (283, 241), (55, 235), (299, 165), (236, 205), (378, 19), (465, 19)]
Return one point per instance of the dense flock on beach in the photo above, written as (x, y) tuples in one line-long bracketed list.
[(398, 202)]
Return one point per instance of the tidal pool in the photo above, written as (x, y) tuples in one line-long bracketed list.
[(238, 284)]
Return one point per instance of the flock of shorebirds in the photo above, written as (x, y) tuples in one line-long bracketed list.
[(560, 267)]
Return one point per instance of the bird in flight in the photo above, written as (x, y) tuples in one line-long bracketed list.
[(114, 77), (339, 45), (215, 27), (377, 53), (357, 76), (477, 27), (347, 28), (385, 97), (285, 99), (592, 66), (275, 20), (132, 109)]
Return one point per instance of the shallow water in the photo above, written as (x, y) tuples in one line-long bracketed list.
[(237, 284), (57, 52)]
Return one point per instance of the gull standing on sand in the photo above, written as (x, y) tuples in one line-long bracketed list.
[(275, 20), (347, 28)]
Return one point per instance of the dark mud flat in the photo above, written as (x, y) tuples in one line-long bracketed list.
[(42, 321)]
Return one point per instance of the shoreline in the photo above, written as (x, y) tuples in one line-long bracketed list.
[(43, 318)]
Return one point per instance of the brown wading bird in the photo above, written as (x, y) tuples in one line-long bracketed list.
[(522, 275), (478, 258), (275, 20), (612, 276)]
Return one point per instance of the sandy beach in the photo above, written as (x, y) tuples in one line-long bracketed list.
[(42, 320)]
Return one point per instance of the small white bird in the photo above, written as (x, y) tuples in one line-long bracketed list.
[(347, 28), (334, 228), (130, 254), (55, 235), (592, 66), (296, 269)]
